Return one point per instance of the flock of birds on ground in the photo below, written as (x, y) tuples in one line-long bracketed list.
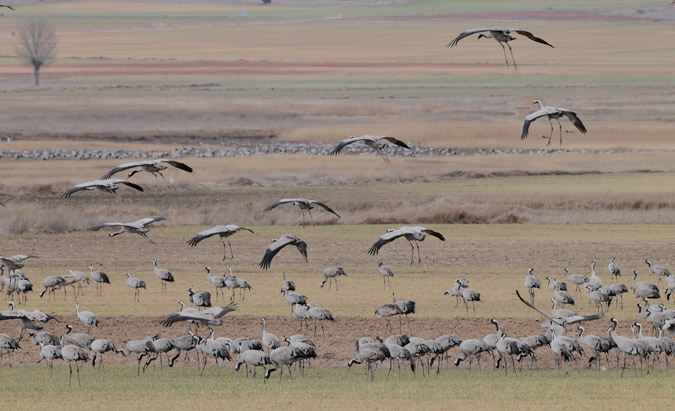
[(75, 347), (300, 349)]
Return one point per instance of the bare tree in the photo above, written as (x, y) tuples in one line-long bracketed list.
[(37, 44)]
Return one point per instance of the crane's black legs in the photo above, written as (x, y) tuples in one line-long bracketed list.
[(514, 60)]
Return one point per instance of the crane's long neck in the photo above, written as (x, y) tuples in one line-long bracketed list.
[(11, 304), (540, 105), (639, 326), (581, 332)]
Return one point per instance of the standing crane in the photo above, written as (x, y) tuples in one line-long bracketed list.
[(163, 274)]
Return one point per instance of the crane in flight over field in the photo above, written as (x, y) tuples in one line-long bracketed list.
[(414, 235), (552, 113), (151, 166), (137, 227), (304, 204), (502, 36), (373, 142), (109, 186), (276, 246), (223, 231)]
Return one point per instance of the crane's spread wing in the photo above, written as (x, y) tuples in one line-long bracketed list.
[(384, 239), (530, 118), (344, 143), (572, 116), (104, 225), (188, 316), (21, 257), (280, 202), (147, 221), (129, 184), (123, 167), (580, 318), (9, 7), (178, 164), (205, 234), (536, 309), (433, 233), (532, 37), (78, 187), (302, 247), (218, 312), (237, 228), (462, 35), (325, 207), (274, 248), (394, 141)]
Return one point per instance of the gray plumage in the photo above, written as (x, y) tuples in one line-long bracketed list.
[(303, 204), (320, 315), (150, 166), (223, 232), (108, 186), (270, 340), (532, 282), (387, 311), (614, 269), (207, 317), (386, 274), (50, 352), (78, 339), (202, 299), (136, 284), (289, 285), (414, 235), (74, 353), (276, 246), (280, 357), (472, 348), (100, 347), (254, 359), (552, 113), (99, 278), (137, 227), (163, 274), (374, 142), (217, 281), (140, 348), (502, 36), (87, 317), (330, 274), (577, 279), (8, 344)]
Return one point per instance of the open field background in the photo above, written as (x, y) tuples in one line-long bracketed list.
[(142, 75)]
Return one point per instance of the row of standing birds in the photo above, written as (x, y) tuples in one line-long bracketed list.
[(596, 292), (80, 347), (565, 349)]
